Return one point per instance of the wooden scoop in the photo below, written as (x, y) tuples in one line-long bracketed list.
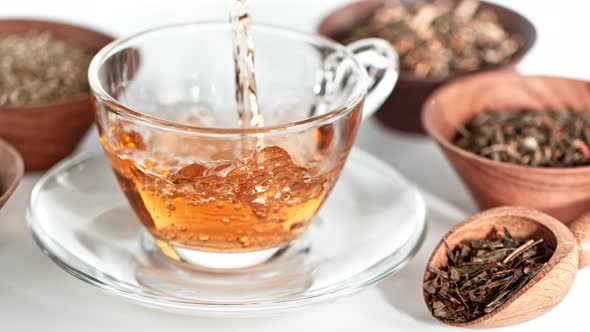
[(550, 285), (11, 171)]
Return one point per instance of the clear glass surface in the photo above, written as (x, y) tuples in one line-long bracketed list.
[(205, 188), (370, 226)]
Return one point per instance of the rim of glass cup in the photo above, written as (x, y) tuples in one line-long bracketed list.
[(155, 122)]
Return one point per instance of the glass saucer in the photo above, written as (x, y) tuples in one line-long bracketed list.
[(371, 225)]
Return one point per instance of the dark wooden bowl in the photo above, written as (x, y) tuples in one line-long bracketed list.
[(402, 109), (563, 193), (46, 133), (11, 171)]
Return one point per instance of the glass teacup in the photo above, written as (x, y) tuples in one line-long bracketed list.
[(208, 191)]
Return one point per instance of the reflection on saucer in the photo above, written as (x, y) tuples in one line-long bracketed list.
[(368, 229)]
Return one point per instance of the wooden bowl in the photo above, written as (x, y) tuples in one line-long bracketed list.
[(11, 171), (563, 193), (402, 109), (46, 133), (549, 286)]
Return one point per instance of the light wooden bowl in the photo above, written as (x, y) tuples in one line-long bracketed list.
[(46, 133), (11, 171), (550, 285), (563, 193)]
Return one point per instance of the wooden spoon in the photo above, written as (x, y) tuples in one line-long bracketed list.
[(550, 285), (11, 171)]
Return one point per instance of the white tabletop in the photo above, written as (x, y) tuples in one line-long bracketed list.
[(36, 295)]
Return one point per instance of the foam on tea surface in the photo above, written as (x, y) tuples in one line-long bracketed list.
[(253, 203)]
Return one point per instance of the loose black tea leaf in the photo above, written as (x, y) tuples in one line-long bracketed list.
[(37, 67), (437, 40), (529, 137), (481, 275)]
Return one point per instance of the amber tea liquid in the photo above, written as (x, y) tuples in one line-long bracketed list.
[(254, 203), (260, 198)]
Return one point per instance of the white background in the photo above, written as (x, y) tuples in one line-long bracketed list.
[(35, 295)]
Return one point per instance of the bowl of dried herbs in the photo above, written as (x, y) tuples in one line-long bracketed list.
[(437, 41), (45, 102)]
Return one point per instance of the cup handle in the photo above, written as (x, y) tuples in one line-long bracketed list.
[(381, 63)]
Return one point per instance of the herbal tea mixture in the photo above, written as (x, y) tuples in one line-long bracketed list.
[(529, 137), (437, 39), (37, 68), (481, 275)]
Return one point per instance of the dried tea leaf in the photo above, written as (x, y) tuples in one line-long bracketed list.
[(539, 138), (454, 273), (482, 274), (37, 67), (429, 287), (437, 39)]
